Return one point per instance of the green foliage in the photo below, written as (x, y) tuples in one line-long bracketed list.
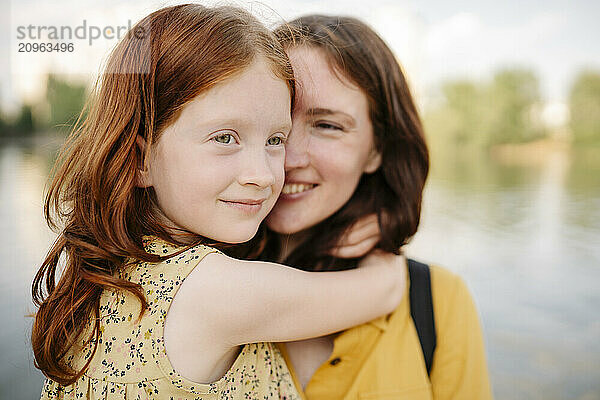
[(66, 100), (24, 122), (19, 125), (3, 126), (514, 94), (584, 103), (485, 114)]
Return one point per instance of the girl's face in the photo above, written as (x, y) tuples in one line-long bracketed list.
[(219, 168), (330, 147)]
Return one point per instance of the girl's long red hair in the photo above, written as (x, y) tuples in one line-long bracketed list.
[(167, 59)]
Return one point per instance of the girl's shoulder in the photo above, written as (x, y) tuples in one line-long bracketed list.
[(121, 324), (157, 246), (179, 260)]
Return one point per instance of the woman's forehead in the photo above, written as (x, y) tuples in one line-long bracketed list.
[(318, 84)]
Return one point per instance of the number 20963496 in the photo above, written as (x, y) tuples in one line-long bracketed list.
[(46, 48)]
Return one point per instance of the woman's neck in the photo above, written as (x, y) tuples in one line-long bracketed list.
[(290, 242)]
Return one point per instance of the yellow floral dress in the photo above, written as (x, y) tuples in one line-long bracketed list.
[(131, 362)]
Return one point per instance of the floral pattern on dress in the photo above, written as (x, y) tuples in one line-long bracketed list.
[(131, 362)]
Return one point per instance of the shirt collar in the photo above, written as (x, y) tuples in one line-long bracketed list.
[(380, 323)]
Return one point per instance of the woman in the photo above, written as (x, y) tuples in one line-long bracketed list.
[(356, 149)]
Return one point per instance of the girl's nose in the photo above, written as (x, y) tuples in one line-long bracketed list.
[(257, 171)]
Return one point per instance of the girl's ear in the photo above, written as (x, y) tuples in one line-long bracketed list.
[(373, 162), (143, 177)]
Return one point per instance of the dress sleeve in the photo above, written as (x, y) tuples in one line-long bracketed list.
[(459, 365)]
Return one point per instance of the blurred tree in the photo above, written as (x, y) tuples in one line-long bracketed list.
[(481, 115), (3, 127), (66, 100), (584, 103), (514, 95), (24, 122), (463, 100)]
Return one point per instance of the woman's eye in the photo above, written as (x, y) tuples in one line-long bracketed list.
[(275, 141), (224, 138), (327, 125)]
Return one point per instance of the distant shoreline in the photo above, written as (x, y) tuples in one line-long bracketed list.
[(541, 151)]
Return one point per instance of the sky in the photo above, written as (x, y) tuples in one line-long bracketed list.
[(435, 41)]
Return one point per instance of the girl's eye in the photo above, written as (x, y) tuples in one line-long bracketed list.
[(275, 141), (224, 138), (327, 125)]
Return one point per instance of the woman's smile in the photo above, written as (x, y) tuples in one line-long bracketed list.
[(296, 190)]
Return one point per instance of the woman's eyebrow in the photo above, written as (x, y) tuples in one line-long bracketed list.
[(318, 112)]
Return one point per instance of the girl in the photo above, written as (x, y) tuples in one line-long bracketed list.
[(181, 152), (357, 148)]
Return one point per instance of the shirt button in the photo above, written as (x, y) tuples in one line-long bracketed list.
[(335, 361)]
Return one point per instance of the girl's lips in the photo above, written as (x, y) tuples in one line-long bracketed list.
[(246, 206)]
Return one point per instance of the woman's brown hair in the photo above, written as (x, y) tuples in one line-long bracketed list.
[(394, 191), (167, 59)]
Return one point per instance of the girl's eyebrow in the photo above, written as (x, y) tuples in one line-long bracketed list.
[(224, 121), (323, 112), (242, 123)]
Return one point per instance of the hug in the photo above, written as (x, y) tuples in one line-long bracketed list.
[(231, 215)]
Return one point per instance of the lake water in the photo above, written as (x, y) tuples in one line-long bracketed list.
[(524, 233)]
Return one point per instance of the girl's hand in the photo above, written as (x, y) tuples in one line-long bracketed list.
[(396, 265), (359, 239), (379, 257)]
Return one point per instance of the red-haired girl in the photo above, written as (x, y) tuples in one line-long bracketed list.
[(182, 151)]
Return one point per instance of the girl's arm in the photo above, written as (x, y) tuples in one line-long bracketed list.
[(248, 301)]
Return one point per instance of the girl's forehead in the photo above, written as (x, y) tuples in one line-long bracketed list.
[(252, 96)]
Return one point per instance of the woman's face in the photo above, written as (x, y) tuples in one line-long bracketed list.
[(330, 146)]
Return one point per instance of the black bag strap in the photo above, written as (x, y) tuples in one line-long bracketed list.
[(421, 308)]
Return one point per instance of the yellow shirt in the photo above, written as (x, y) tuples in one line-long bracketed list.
[(382, 359), (131, 362)]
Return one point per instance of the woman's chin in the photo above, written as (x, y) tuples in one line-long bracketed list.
[(286, 223), (283, 230)]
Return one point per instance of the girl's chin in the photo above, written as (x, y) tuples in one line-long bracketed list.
[(242, 234)]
